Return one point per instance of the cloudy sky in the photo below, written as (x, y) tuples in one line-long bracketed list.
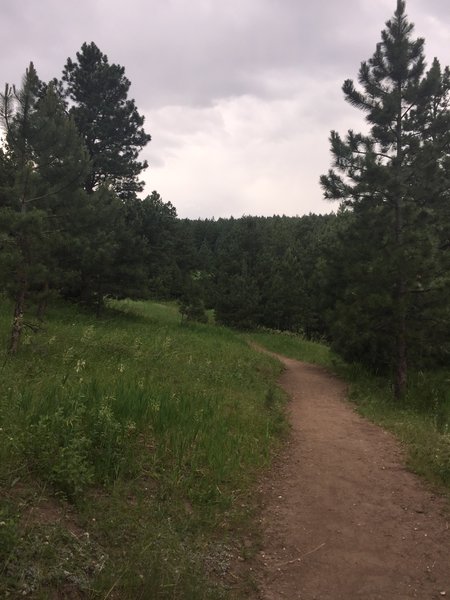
[(239, 95)]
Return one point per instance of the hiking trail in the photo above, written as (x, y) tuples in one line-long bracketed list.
[(342, 516)]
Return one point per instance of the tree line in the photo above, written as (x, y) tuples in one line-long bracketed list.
[(372, 279)]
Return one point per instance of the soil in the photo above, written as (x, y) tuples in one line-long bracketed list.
[(343, 518)]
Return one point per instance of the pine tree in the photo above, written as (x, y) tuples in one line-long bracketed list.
[(238, 294), (109, 122), (46, 160), (394, 181)]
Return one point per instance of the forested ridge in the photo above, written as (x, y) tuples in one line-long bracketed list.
[(372, 280)]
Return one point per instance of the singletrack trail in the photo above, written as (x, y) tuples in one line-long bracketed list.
[(343, 519)]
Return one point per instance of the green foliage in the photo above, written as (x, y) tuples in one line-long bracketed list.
[(55, 238), (295, 346), (44, 555), (194, 311), (9, 533), (153, 225), (60, 452), (104, 258), (73, 439), (393, 273), (45, 162), (421, 420), (153, 430), (263, 271), (192, 307), (107, 119)]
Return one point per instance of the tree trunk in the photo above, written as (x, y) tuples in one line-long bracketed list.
[(400, 360), (99, 305), (43, 303), (401, 373), (17, 324)]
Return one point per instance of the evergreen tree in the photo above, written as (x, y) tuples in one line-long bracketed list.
[(283, 292), (238, 294), (394, 180), (262, 270), (109, 122), (104, 257), (158, 226), (46, 160)]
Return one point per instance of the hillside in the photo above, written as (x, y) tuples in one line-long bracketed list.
[(128, 448)]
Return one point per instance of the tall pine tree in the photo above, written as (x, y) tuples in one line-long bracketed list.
[(394, 180), (46, 162), (108, 120)]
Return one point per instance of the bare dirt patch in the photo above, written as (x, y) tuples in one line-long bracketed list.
[(342, 517)]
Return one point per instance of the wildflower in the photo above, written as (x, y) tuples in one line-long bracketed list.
[(121, 368), (154, 405), (167, 342), (80, 365), (130, 428)]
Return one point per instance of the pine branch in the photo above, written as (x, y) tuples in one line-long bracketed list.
[(421, 291), (407, 111), (374, 152), (54, 192), (53, 231)]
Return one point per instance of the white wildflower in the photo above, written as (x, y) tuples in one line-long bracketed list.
[(81, 364)]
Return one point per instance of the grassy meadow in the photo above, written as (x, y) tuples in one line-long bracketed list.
[(128, 448)]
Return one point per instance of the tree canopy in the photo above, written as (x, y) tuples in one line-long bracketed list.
[(108, 120), (395, 182), (373, 279)]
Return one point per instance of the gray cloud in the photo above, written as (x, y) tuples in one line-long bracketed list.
[(239, 96)]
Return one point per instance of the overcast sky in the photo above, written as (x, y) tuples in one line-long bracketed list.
[(238, 95)]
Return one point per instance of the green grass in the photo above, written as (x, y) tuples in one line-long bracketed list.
[(421, 421), (295, 346), (129, 446), (149, 434)]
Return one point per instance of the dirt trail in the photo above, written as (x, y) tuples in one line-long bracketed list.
[(343, 518)]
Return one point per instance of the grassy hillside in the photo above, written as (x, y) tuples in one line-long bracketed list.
[(128, 446), (421, 420)]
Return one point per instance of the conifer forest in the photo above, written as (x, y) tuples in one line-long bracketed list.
[(136, 409), (371, 279)]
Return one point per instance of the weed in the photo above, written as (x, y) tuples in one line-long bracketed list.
[(153, 430)]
